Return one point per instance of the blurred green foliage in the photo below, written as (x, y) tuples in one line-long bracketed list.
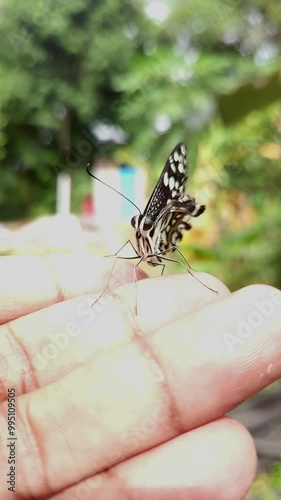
[(267, 486), (154, 73)]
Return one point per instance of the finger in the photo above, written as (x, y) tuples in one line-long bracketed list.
[(31, 283), (147, 391), (203, 464), (170, 297), (39, 348)]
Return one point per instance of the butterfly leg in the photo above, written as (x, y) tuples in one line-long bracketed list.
[(120, 250), (187, 268), (136, 284), (163, 267), (111, 271), (106, 286), (171, 249)]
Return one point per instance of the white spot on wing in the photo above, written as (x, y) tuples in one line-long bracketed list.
[(166, 179), (171, 183), (180, 168), (173, 167)]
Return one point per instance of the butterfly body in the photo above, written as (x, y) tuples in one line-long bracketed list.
[(160, 227)]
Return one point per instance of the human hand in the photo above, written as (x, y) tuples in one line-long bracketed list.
[(110, 405)]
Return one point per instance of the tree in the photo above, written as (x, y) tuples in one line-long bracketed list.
[(75, 80), (58, 61)]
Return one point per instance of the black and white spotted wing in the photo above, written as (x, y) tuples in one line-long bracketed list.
[(160, 227), (171, 182)]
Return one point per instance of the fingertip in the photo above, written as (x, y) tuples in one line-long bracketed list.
[(217, 460), (242, 445), (259, 291)]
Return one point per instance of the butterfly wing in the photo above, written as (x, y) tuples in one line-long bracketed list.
[(168, 210), (168, 206), (176, 220), (171, 182)]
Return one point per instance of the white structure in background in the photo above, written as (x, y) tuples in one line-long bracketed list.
[(64, 230), (112, 211), (5, 236), (63, 194), (110, 207)]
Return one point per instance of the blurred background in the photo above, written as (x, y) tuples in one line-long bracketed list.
[(119, 84)]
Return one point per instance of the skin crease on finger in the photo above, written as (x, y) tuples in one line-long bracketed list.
[(60, 338), (203, 379), (270, 345), (205, 464), (30, 283)]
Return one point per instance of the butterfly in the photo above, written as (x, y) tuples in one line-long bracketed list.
[(159, 229)]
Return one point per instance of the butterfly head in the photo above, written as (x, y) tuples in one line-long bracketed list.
[(141, 223)]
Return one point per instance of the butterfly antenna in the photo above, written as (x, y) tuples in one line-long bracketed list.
[(110, 187)]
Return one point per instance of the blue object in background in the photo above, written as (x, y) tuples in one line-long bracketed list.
[(128, 187)]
